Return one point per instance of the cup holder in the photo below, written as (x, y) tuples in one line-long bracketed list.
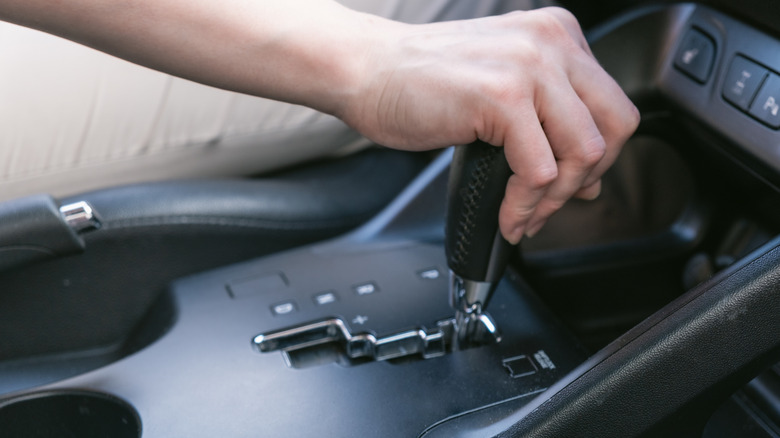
[(68, 414)]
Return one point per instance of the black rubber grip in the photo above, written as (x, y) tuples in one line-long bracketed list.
[(475, 248)]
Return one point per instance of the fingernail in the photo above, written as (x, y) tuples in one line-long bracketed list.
[(595, 191), (591, 192), (515, 236), (533, 229)]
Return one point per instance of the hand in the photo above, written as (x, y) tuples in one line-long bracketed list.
[(526, 81)]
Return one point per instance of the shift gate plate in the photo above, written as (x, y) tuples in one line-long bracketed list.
[(426, 342)]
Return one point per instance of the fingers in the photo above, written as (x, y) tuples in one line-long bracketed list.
[(590, 192), (577, 144), (527, 81), (614, 114), (586, 118), (533, 163)]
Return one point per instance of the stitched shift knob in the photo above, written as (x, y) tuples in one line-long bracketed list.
[(475, 248)]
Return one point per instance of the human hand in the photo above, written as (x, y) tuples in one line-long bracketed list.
[(526, 81)]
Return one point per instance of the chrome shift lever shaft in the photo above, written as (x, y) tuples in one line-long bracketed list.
[(477, 254), (473, 327)]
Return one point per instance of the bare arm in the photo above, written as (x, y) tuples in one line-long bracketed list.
[(293, 50), (526, 81)]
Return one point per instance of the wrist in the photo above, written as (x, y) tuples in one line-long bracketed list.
[(322, 59), (349, 63)]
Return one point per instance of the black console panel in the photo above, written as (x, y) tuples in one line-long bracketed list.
[(725, 74), (204, 378)]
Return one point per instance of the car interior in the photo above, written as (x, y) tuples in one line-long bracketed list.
[(312, 299)]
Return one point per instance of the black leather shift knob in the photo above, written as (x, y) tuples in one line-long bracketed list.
[(475, 249)]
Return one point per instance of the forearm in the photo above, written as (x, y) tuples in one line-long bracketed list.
[(524, 81), (309, 52)]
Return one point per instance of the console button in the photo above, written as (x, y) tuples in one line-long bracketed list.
[(326, 297), (696, 55), (284, 308), (366, 288), (766, 106), (429, 274), (742, 82)]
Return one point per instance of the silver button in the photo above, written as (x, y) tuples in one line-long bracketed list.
[(79, 216), (366, 289), (284, 308), (429, 274), (324, 298)]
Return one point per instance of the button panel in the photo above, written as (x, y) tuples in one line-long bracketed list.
[(369, 298), (754, 89)]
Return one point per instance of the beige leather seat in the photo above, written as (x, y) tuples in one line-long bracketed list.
[(74, 119)]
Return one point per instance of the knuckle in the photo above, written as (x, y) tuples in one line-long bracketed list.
[(520, 213), (526, 52), (623, 122), (563, 14), (549, 24), (541, 177), (592, 151), (633, 119), (555, 23), (533, 54)]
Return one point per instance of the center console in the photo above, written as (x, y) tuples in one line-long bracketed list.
[(669, 279), (206, 377)]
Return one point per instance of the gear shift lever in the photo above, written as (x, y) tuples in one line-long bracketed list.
[(477, 253)]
